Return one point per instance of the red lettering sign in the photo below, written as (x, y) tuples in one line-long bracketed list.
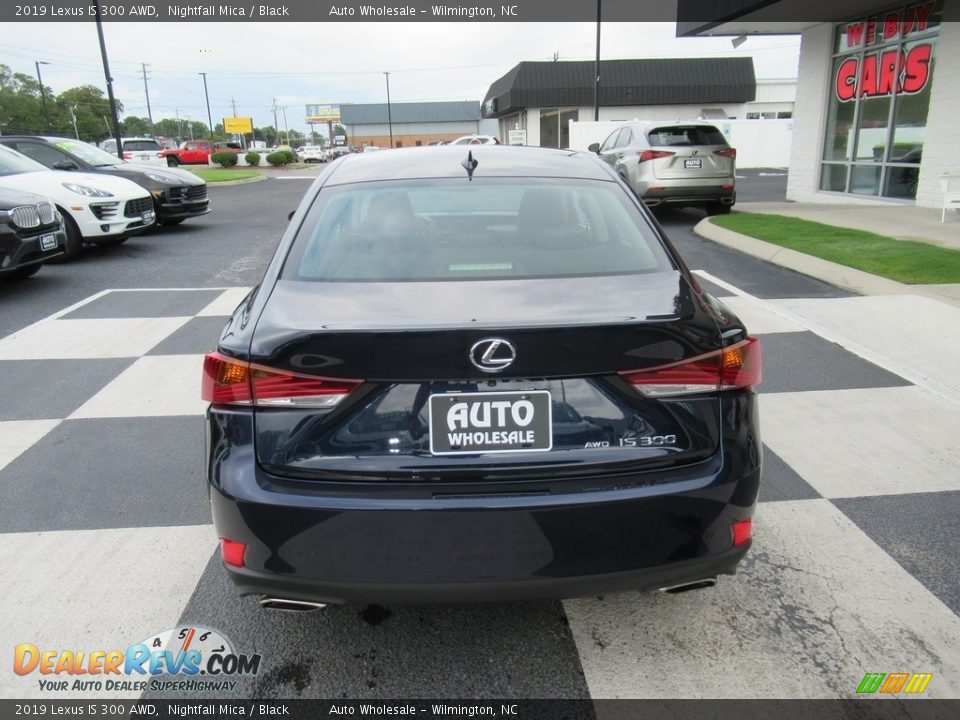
[(890, 26), (883, 73)]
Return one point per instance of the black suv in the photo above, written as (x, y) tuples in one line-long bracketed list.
[(177, 194), (31, 232)]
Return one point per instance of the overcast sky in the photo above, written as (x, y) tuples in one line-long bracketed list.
[(336, 63)]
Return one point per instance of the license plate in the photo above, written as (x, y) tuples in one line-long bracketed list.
[(147, 217), (497, 422), (48, 242), (693, 163)]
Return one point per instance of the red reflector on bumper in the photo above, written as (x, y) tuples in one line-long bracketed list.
[(742, 530), (232, 551)]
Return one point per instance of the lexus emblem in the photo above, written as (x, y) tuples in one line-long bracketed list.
[(492, 354)]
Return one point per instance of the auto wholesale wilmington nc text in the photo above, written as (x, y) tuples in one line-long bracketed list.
[(437, 710), (433, 11)]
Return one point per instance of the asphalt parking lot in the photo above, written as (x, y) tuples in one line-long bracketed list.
[(104, 520)]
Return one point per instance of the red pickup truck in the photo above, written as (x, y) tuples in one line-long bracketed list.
[(197, 152)]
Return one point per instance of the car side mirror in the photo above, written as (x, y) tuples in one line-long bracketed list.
[(65, 165), (594, 148)]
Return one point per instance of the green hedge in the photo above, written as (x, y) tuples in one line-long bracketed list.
[(288, 154), (278, 158), (252, 158), (225, 158)]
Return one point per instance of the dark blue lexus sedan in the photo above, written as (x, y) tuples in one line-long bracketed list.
[(479, 374)]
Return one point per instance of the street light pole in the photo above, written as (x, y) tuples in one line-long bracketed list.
[(43, 94), (389, 116), (207, 97)]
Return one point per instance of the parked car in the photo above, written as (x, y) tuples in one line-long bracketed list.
[(197, 152), (31, 232), (312, 153), (177, 194), (96, 208), (683, 162), (476, 140), (140, 149), (381, 425)]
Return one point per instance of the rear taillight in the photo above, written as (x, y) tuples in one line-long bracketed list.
[(726, 152), (734, 367), (645, 155), (237, 382), (742, 530), (127, 156), (232, 551)]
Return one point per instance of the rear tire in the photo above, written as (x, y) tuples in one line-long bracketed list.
[(718, 209), (172, 161), (74, 245)]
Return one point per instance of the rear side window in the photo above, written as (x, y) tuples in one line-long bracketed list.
[(686, 135), (486, 229)]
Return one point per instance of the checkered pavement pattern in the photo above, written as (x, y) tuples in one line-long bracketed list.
[(105, 532)]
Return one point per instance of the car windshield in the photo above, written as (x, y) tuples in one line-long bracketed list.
[(13, 163), (491, 228), (686, 135), (88, 153)]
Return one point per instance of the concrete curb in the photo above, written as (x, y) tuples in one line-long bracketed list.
[(244, 181), (857, 281)]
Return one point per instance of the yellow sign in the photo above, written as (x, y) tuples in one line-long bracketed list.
[(238, 125)]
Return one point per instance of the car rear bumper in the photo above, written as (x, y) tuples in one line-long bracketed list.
[(657, 191), (647, 531)]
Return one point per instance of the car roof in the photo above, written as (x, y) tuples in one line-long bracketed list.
[(445, 161)]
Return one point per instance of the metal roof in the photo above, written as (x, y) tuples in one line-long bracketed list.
[(654, 81), (376, 113)]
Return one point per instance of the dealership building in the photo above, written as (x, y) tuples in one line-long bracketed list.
[(534, 102), (878, 96)]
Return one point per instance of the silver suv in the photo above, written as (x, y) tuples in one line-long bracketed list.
[(678, 162)]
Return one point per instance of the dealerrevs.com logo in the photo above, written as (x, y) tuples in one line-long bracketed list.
[(200, 658)]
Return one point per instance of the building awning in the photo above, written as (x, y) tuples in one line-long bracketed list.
[(654, 81)]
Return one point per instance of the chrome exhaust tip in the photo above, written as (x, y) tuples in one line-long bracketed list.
[(687, 587), (270, 603)]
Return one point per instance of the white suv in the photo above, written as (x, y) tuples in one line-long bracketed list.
[(142, 150)]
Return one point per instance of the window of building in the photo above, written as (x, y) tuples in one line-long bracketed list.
[(555, 126), (883, 69), (753, 116)]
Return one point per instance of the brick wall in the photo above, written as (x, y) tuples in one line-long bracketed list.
[(383, 141)]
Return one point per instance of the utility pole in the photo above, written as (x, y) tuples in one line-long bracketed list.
[(179, 126), (106, 74), (389, 116), (233, 101), (596, 72), (146, 92), (286, 127), (73, 118), (207, 96), (276, 129), (43, 93)]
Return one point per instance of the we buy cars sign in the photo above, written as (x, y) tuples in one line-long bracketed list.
[(884, 72)]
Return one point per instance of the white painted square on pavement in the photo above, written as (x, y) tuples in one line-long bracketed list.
[(94, 590), (864, 442), (98, 338), (155, 385), (17, 436), (759, 318), (816, 605), (226, 303)]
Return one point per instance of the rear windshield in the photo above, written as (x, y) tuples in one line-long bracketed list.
[(486, 229), (686, 135), (141, 145)]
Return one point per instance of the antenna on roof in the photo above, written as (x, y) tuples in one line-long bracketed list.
[(470, 164)]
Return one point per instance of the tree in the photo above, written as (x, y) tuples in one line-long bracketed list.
[(134, 126), (21, 106), (339, 129), (92, 111)]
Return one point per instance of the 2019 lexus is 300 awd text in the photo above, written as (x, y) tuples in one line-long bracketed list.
[(479, 374)]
